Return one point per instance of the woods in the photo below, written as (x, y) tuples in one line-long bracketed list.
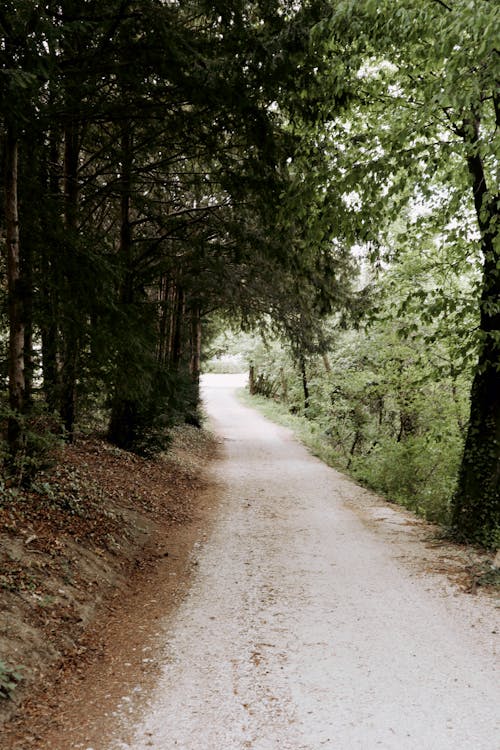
[(147, 148), (322, 173)]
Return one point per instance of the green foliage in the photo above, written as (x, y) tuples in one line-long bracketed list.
[(419, 473), (427, 141), (9, 679), (152, 195), (40, 435), (384, 403), (141, 422)]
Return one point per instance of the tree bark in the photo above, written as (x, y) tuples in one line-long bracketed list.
[(162, 348), (196, 338), (305, 384), (71, 343), (284, 386), (177, 328), (251, 380), (15, 296), (476, 503), (50, 282), (123, 420)]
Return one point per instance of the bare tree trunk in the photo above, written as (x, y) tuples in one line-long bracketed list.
[(171, 307), (48, 294), (178, 321), (161, 355), (15, 306), (26, 270), (251, 379), (123, 421)]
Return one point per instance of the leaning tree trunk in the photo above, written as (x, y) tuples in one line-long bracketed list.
[(476, 504), (15, 304)]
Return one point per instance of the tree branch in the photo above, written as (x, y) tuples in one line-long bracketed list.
[(440, 2)]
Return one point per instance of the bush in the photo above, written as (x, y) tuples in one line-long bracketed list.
[(9, 678), (40, 434), (142, 425), (382, 413), (417, 473)]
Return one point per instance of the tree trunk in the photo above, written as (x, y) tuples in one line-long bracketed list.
[(476, 503), (72, 333), (251, 380), (284, 386), (50, 369), (196, 338), (28, 332), (50, 281), (305, 385), (123, 421), (177, 328), (15, 304), (162, 348)]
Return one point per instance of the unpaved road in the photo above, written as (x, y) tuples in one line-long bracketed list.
[(304, 630)]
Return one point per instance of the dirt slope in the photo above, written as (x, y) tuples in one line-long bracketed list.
[(76, 553)]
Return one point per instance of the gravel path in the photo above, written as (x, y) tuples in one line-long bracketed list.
[(303, 630)]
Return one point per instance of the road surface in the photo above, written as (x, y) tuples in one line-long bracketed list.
[(304, 629)]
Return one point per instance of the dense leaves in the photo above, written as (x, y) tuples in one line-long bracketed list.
[(428, 142)]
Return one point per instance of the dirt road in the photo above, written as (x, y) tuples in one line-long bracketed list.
[(305, 630)]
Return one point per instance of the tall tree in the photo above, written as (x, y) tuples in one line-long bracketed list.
[(21, 70), (428, 77)]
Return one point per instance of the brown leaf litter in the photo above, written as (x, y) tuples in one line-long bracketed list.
[(75, 550)]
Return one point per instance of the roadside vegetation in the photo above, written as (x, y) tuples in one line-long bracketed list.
[(394, 430), (403, 378), (385, 397)]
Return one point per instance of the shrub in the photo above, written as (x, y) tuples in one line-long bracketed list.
[(9, 678)]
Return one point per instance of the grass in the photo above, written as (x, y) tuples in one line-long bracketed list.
[(390, 477)]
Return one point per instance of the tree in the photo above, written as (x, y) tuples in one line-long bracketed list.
[(16, 316), (429, 78), (21, 71)]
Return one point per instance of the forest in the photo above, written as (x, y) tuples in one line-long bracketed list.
[(321, 173)]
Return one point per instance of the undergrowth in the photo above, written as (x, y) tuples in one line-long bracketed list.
[(409, 474), (9, 679)]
